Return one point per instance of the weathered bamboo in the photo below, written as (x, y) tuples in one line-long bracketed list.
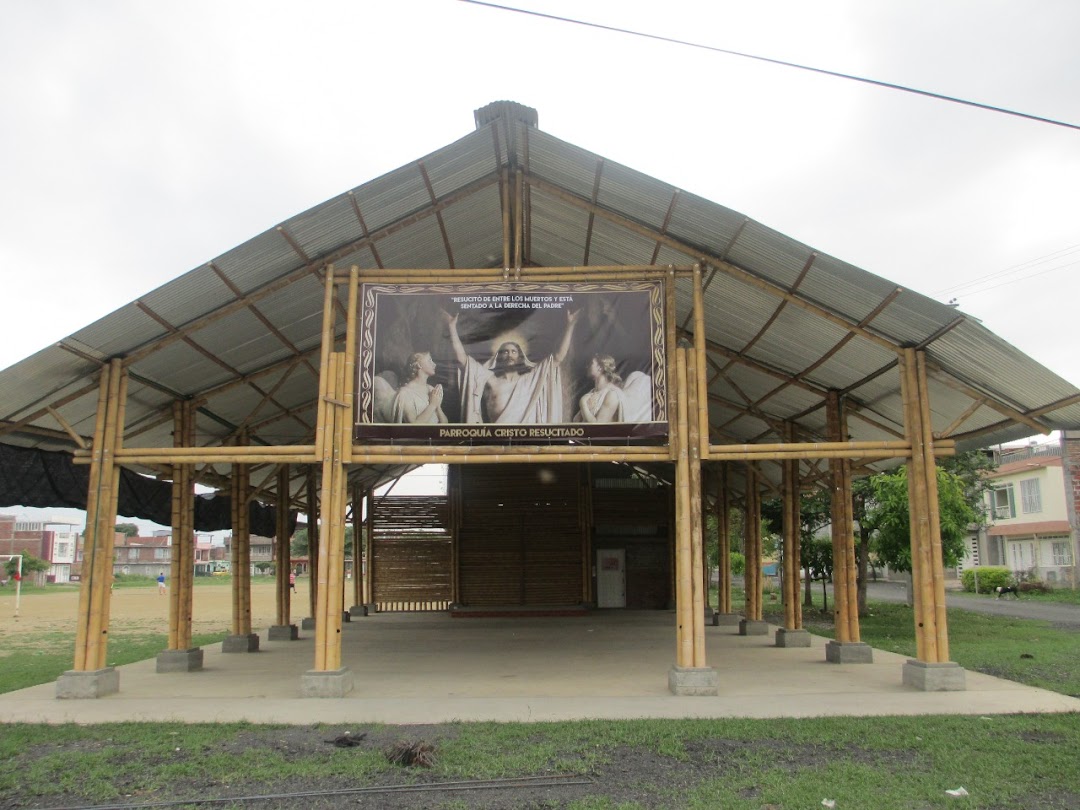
[(369, 550), (357, 544), (723, 540), (283, 569), (702, 386), (321, 424), (313, 539), (177, 531), (435, 457), (683, 554), (75, 437), (903, 447), (697, 562), (934, 510), (803, 455), (752, 534), (671, 349), (406, 451), (156, 458), (348, 391), (235, 499), (244, 574), (106, 522), (253, 454), (839, 523), (92, 547), (326, 505), (484, 274), (925, 642), (790, 494)]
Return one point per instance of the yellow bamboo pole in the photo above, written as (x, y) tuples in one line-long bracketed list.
[(683, 553), (925, 637), (337, 551), (723, 540), (177, 531), (753, 578), (357, 544), (91, 546), (284, 557), (697, 562), (937, 573), (106, 525), (902, 447), (702, 386), (485, 274), (839, 525), (790, 488), (313, 540), (369, 549), (234, 550), (348, 390)]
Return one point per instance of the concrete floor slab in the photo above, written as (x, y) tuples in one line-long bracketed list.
[(431, 668)]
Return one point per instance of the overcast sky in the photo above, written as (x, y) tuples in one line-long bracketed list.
[(142, 139)]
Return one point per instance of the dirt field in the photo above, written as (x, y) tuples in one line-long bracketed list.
[(145, 610)]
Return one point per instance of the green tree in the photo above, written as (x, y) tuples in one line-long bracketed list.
[(127, 529), (30, 565), (299, 545), (889, 515)]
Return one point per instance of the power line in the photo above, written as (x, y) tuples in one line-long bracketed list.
[(822, 71), (1017, 268)]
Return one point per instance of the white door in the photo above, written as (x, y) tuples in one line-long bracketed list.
[(611, 578)]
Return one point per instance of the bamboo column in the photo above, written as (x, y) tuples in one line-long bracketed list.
[(369, 550), (723, 540), (187, 537), (175, 602), (313, 541), (89, 676), (689, 676), (357, 545), (791, 525), (753, 579), (283, 629), (843, 538)]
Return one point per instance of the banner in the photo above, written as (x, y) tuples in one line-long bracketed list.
[(498, 363)]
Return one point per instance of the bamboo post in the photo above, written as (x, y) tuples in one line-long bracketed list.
[(701, 388), (671, 348), (369, 548), (937, 572), (683, 553), (839, 525), (97, 550), (357, 544), (723, 541), (244, 574), (754, 578), (313, 539), (922, 585), (175, 607), (791, 521), (283, 570), (697, 563)]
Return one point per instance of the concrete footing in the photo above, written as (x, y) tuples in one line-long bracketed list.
[(753, 628), (240, 644), (180, 660), (357, 611), (307, 623), (944, 677), (95, 683), (849, 652), (693, 681), (726, 619), (331, 684), (792, 638), (346, 616), (283, 632)]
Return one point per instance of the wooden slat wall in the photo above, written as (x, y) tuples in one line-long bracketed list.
[(412, 553), (636, 519), (521, 534)]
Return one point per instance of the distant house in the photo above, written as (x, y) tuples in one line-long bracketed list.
[(1031, 510), (142, 556), (51, 540)]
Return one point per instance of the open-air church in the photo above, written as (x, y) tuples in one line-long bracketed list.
[(605, 363)]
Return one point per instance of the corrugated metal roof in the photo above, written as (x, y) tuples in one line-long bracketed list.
[(759, 340)]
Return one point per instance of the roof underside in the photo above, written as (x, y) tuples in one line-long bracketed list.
[(784, 323)]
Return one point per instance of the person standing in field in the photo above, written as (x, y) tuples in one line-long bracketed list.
[(161, 582)]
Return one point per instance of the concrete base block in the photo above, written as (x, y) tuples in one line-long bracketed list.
[(76, 685), (333, 684), (283, 632), (180, 660), (357, 611), (726, 619), (753, 628), (240, 644), (370, 609), (693, 681), (792, 638), (944, 677), (308, 623), (849, 652), (346, 616)]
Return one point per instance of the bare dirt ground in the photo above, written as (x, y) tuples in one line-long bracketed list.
[(143, 609)]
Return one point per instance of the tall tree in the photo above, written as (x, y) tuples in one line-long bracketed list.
[(127, 529)]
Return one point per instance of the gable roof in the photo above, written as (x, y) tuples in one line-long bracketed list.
[(785, 324)]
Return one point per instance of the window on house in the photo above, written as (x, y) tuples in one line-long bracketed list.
[(1030, 497), (133, 553), (1061, 554), (161, 554), (1003, 501)]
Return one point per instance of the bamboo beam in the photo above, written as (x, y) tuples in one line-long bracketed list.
[(75, 437), (10, 427), (952, 381)]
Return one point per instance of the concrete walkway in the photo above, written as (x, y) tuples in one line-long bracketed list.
[(430, 668)]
